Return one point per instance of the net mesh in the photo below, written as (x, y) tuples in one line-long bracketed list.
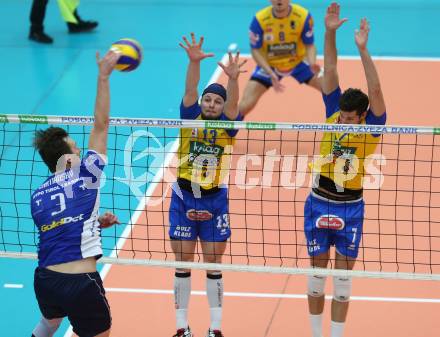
[(269, 180)]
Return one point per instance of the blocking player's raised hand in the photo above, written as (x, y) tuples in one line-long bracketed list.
[(194, 49), (233, 68), (332, 19), (361, 34)]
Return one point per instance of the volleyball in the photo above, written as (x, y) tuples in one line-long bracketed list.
[(131, 54)]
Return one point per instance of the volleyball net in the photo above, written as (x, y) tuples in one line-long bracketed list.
[(268, 174)]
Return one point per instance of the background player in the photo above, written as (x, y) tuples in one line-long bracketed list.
[(65, 210), (282, 44), (334, 211), (199, 204)]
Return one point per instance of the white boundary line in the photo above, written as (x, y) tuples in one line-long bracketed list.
[(13, 286), (274, 295), (379, 58), (141, 206)]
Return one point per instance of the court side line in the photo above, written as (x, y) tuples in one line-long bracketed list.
[(379, 58), (273, 295), (13, 286), (141, 206)]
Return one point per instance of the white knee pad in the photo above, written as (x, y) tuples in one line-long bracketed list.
[(341, 288), (316, 285)]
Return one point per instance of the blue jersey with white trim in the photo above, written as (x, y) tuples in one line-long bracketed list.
[(65, 210)]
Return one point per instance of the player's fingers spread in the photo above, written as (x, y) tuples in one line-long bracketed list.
[(193, 38), (237, 56), (230, 57), (221, 65), (201, 41), (243, 62), (183, 46), (209, 55), (186, 41), (97, 56)]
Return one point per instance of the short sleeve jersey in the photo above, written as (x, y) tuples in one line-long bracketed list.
[(65, 210), (282, 40)]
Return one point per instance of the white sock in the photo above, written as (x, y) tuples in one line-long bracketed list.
[(337, 329), (316, 324), (182, 292), (214, 290)]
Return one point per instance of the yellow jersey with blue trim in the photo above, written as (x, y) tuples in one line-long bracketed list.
[(204, 153), (343, 155), (282, 40)]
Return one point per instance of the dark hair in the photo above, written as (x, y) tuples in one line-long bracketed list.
[(51, 144), (354, 99)]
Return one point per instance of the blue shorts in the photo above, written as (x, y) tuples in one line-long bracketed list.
[(302, 73), (328, 223), (206, 217), (80, 297)]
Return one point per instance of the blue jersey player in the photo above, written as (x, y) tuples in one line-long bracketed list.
[(334, 210), (65, 210)]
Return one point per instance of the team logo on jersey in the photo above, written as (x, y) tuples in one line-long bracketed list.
[(338, 150), (63, 221), (344, 152), (268, 37), (211, 152), (330, 221), (281, 49), (292, 24), (198, 215)]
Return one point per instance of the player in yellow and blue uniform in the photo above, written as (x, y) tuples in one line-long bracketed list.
[(203, 155), (199, 202), (334, 210), (282, 44)]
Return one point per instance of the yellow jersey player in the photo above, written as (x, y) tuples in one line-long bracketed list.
[(334, 211), (282, 44), (199, 203)]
